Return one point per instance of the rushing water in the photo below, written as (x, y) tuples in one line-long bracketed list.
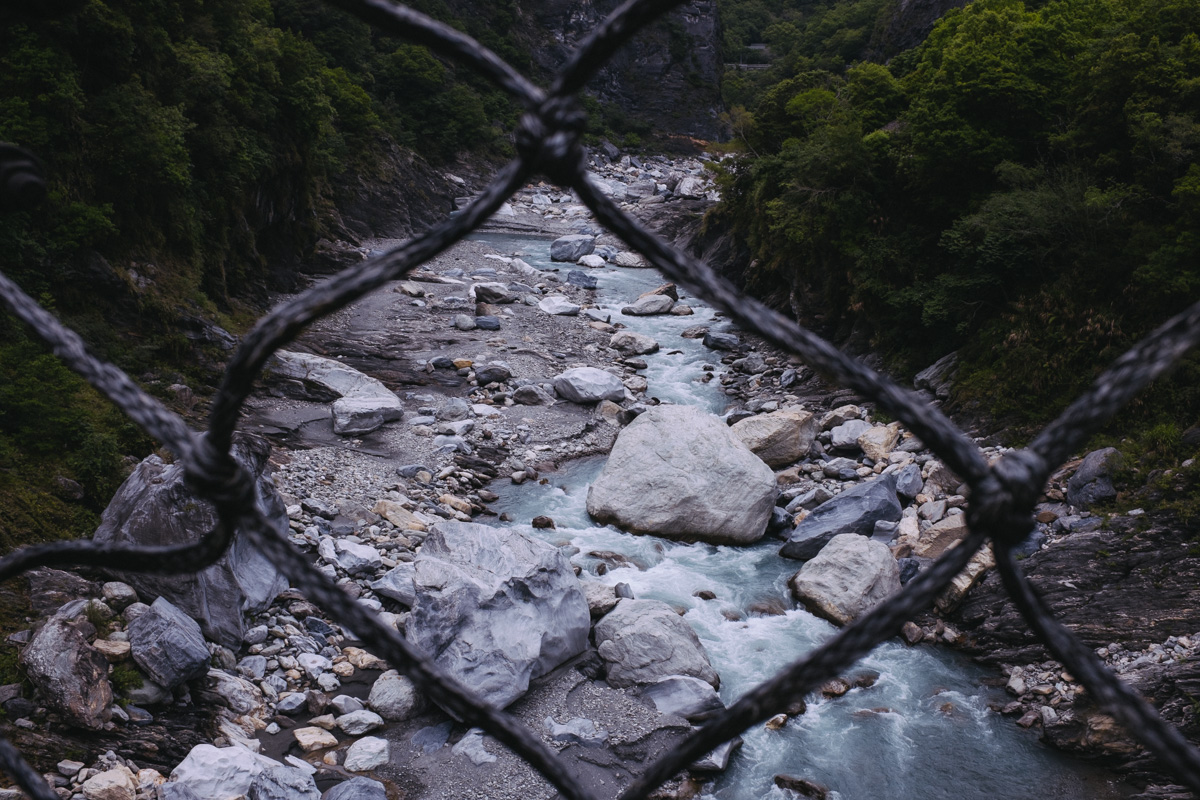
[(923, 730)]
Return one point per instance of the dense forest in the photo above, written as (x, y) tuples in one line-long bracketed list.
[(1022, 186), (196, 145)]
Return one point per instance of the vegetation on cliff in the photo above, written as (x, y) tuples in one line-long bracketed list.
[(191, 150), (1022, 186)]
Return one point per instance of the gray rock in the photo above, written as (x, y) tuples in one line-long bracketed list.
[(559, 306), (239, 694), (493, 293), (572, 248), (780, 437), (496, 608), (356, 558), (394, 697), (589, 385), (454, 408), (283, 783), (853, 511), (70, 674), (633, 344), (487, 323), (649, 305), (909, 481), (362, 401), (397, 584), (168, 645), (471, 747), (592, 261), (356, 789), (679, 472), (577, 731), (683, 696), (118, 595), (845, 436), (718, 759), (850, 576), (154, 508), (845, 469), (464, 322), (939, 376), (176, 791), (715, 340), (292, 704), (220, 772), (809, 499), (582, 279), (1092, 482), (642, 641), (356, 723), (533, 395)]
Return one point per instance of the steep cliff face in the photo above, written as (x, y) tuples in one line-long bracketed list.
[(906, 25), (668, 77)]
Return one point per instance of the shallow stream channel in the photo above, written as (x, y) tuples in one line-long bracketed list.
[(923, 729)]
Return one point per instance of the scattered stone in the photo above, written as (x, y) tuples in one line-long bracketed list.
[(219, 772), (168, 645), (394, 697), (649, 305), (855, 511), (313, 739), (357, 788), (780, 437), (684, 696), (572, 248), (633, 344), (1092, 481), (283, 783), (557, 305)]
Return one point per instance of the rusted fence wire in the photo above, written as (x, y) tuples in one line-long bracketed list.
[(548, 143)]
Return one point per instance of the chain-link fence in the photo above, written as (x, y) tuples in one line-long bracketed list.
[(1002, 498)]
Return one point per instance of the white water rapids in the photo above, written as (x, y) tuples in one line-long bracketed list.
[(923, 730)]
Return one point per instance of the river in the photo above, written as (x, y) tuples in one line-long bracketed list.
[(923, 730)]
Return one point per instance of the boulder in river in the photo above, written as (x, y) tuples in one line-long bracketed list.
[(154, 508), (70, 674), (683, 696), (715, 340), (850, 576), (642, 641), (780, 437), (589, 385), (649, 305), (853, 511), (628, 259), (496, 608), (572, 248), (679, 472), (631, 343)]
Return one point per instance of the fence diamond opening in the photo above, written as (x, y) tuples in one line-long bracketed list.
[(548, 143)]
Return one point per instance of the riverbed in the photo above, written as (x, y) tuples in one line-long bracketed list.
[(922, 729)]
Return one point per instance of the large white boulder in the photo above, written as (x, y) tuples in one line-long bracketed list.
[(850, 576), (779, 438), (496, 608), (679, 472), (363, 403), (643, 641), (588, 385), (220, 773)]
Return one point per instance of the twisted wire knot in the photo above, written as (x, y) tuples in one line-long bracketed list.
[(1002, 503), (549, 139), (216, 476)]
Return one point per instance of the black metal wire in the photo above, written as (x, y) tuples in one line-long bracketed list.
[(1002, 494)]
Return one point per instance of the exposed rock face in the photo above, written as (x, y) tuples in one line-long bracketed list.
[(1127, 584), (1092, 482), (645, 640), (853, 511), (154, 508), (71, 675), (780, 437), (679, 472), (496, 608), (850, 576)]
